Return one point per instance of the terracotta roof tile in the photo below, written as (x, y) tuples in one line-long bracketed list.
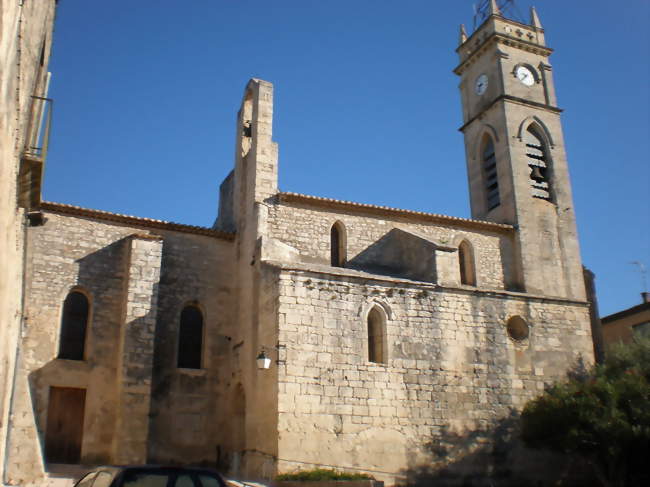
[(389, 211), (133, 220)]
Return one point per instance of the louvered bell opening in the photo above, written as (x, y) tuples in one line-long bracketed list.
[(493, 199), (491, 176), (535, 151), (492, 183), (492, 190), (540, 193), (536, 160), (536, 174)]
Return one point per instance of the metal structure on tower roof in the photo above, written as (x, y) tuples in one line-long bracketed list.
[(508, 8)]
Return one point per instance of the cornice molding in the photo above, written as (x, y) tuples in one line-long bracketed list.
[(510, 21), (514, 99), (352, 274), (499, 38)]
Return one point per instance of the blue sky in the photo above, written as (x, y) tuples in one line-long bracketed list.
[(366, 109)]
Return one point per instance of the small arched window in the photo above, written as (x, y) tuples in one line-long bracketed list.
[(490, 176), (338, 245), (466, 263), (190, 338), (537, 159), (376, 336), (74, 322)]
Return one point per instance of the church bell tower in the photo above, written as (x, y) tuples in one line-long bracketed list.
[(516, 163)]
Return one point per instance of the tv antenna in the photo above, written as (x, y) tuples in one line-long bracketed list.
[(644, 275), (508, 9)]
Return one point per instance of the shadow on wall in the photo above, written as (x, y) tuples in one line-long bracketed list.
[(494, 456), (399, 254), (189, 401), (75, 401)]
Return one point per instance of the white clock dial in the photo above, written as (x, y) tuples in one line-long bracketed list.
[(525, 75), (481, 84)]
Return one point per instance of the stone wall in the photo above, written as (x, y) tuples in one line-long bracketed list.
[(137, 280), (307, 228), (135, 353), (190, 406), (450, 367), (62, 255)]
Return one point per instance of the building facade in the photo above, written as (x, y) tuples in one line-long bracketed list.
[(391, 333), (25, 42), (623, 326)]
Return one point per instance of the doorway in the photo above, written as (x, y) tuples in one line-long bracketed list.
[(65, 424)]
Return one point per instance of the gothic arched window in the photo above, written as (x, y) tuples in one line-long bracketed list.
[(74, 322), (190, 338), (466, 263), (491, 179), (376, 336), (537, 160), (338, 245)]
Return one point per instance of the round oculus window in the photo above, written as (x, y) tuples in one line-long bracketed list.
[(517, 328)]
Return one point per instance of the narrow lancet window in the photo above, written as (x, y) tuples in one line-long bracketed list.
[(466, 262), (538, 163), (376, 332), (190, 338), (490, 174), (74, 322), (338, 245)]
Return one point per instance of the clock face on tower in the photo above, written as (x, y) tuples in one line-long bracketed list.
[(525, 75), (481, 84)]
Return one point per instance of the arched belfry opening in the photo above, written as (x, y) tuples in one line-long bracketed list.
[(490, 175), (538, 162), (246, 123), (376, 327), (466, 264), (338, 245)]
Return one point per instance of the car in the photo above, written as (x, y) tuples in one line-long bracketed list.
[(151, 476)]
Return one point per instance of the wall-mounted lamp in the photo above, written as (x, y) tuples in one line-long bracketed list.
[(264, 360)]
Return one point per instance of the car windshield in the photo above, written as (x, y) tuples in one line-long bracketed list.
[(209, 481), (145, 479)]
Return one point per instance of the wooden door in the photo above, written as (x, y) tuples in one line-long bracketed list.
[(65, 424)]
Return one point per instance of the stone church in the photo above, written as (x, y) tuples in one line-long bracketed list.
[(299, 331)]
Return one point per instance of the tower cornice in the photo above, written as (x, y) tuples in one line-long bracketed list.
[(506, 40), (493, 17), (513, 99)]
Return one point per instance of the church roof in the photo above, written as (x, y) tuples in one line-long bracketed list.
[(288, 197), (133, 220), (392, 212)]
